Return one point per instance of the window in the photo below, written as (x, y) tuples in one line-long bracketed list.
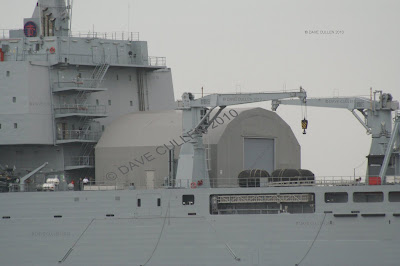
[(336, 197), (109, 102), (102, 128), (15, 125), (187, 199), (97, 101), (158, 202), (139, 202), (130, 77), (117, 77), (131, 103), (394, 196), (0, 126), (8, 73), (14, 99), (367, 196)]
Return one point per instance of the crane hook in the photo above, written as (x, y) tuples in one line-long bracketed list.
[(304, 124)]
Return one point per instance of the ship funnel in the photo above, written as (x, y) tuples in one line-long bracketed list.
[(51, 18)]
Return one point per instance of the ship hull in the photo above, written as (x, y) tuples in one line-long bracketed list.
[(108, 228)]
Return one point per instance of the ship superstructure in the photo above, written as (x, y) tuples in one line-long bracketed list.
[(59, 90)]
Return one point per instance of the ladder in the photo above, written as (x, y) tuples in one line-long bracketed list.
[(97, 78), (98, 74), (207, 148)]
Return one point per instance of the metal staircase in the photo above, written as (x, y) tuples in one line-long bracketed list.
[(98, 75), (97, 78)]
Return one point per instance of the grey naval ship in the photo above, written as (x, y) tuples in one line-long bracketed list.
[(100, 165)]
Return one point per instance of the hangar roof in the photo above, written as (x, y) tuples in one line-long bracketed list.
[(154, 128)]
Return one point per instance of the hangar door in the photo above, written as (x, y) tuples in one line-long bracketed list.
[(259, 153)]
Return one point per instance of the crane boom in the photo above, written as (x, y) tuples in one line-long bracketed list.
[(215, 100), (197, 117), (349, 103), (377, 120)]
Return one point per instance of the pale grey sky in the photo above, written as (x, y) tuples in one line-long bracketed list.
[(260, 45)]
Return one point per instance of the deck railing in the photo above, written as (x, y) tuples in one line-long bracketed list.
[(232, 183), (116, 35), (79, 135), (5, 33), (255, 182), (79, 161), (157, 61), (76, 82), (80, 109)]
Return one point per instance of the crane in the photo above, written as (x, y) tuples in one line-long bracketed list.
[(377, 114), (197, 117)]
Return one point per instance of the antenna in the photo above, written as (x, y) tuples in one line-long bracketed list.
[(129, 17), (70, 4)]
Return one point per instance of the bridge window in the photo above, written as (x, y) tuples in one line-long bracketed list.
[(8, 73), (139, 202), (336, 197), (14, 99), (158, 202), (15, 125), (187, 199), (394, 196), (368, 196)]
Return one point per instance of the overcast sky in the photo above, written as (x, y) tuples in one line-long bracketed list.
[(253, 46)]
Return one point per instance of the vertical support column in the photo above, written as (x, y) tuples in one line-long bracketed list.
[(192, 158), (389, 148)]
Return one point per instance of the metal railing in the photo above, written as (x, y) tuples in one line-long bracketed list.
[(157, 61), (278, 182), (113, 59), (79, 161), (80, 109), (87, 135), (80, 83), (96, 186), (154, 61), (249, 211), (233, 183), (117, 35), (5, 33)]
